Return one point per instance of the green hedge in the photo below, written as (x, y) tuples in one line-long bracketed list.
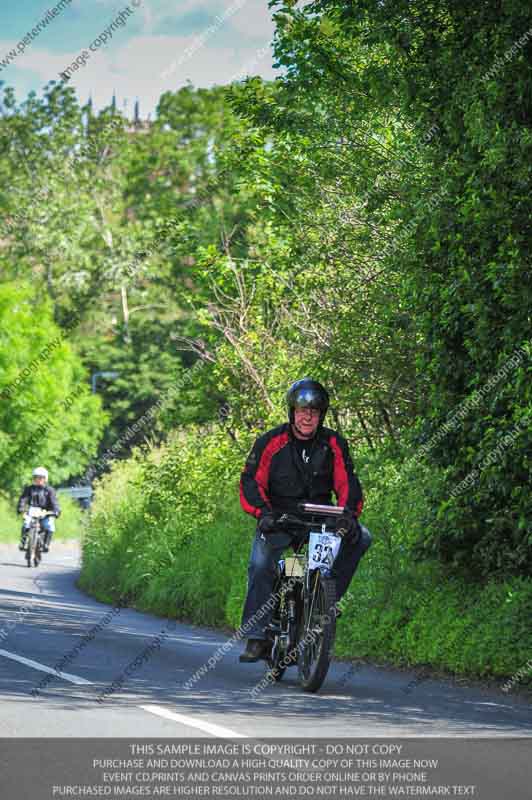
[(169, 529)]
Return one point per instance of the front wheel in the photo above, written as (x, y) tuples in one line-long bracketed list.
[(29, 546), (317, 632), (37, 552)]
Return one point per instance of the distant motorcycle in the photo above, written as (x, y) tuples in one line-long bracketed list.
[(34, 534)]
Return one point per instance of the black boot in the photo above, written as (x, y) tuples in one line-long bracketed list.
[(46, 542), (23, 537), (255, 650)]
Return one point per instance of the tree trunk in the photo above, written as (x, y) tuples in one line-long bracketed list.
[(366, 430)]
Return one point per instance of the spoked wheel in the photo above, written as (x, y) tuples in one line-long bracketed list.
[(37, 551), (316, 639), (280, 659), (274, 662), (279, 628)]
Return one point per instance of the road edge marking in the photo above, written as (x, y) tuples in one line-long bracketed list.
[(66, 676), (208, 727)]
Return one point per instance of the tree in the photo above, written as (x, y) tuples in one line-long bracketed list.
[(47, 413), (458, 84)]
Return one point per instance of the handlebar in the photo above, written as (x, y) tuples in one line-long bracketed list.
[(321, 510), (44, 512), (324, 513), (291, 520)]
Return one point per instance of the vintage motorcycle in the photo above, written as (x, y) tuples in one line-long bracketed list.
[(34, 534), (303, 625)]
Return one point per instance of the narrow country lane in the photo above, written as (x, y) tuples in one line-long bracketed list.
[(45, 617)]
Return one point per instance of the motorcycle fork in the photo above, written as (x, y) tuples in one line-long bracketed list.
[(294, 614), (310, 596)]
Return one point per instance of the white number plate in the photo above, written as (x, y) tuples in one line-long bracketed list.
[(323, 549), (36, 511)]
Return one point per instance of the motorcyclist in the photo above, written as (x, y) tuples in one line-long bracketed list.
[(299, 461), (43, 496)]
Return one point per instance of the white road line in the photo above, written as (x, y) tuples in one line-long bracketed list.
[(208, 727), (66, 676)]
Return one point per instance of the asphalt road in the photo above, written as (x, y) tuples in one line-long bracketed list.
[(127, 677)]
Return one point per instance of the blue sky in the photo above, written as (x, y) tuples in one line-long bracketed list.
[(161, 45)]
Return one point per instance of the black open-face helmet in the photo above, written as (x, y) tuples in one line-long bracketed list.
[(307, 393)]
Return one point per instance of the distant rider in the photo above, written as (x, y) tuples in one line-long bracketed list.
[(43, 496)]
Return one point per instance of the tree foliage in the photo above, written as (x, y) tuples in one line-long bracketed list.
[(47, 413), (363, 218)]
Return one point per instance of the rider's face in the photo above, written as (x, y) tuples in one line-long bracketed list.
[(306, 421), (38, 481)]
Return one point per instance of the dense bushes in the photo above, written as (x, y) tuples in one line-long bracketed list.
[(160, 530), (170, 531)]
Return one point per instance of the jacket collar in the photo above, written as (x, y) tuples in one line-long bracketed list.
[(319, 437)]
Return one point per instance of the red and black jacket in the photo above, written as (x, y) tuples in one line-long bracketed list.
[(275, 477)]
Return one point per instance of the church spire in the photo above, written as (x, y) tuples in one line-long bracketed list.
[(87, 117)]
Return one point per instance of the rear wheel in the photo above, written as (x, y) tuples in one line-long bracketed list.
[(317, 632), (278, 624), (276, 670)]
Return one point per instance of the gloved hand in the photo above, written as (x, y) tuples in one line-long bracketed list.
[(267, 523), (348, 527)]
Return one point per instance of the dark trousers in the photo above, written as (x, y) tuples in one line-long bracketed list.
[(262, 572)]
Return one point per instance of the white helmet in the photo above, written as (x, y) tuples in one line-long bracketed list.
[(40, 472)]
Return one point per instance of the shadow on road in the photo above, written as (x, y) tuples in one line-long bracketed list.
[(60, 622)]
